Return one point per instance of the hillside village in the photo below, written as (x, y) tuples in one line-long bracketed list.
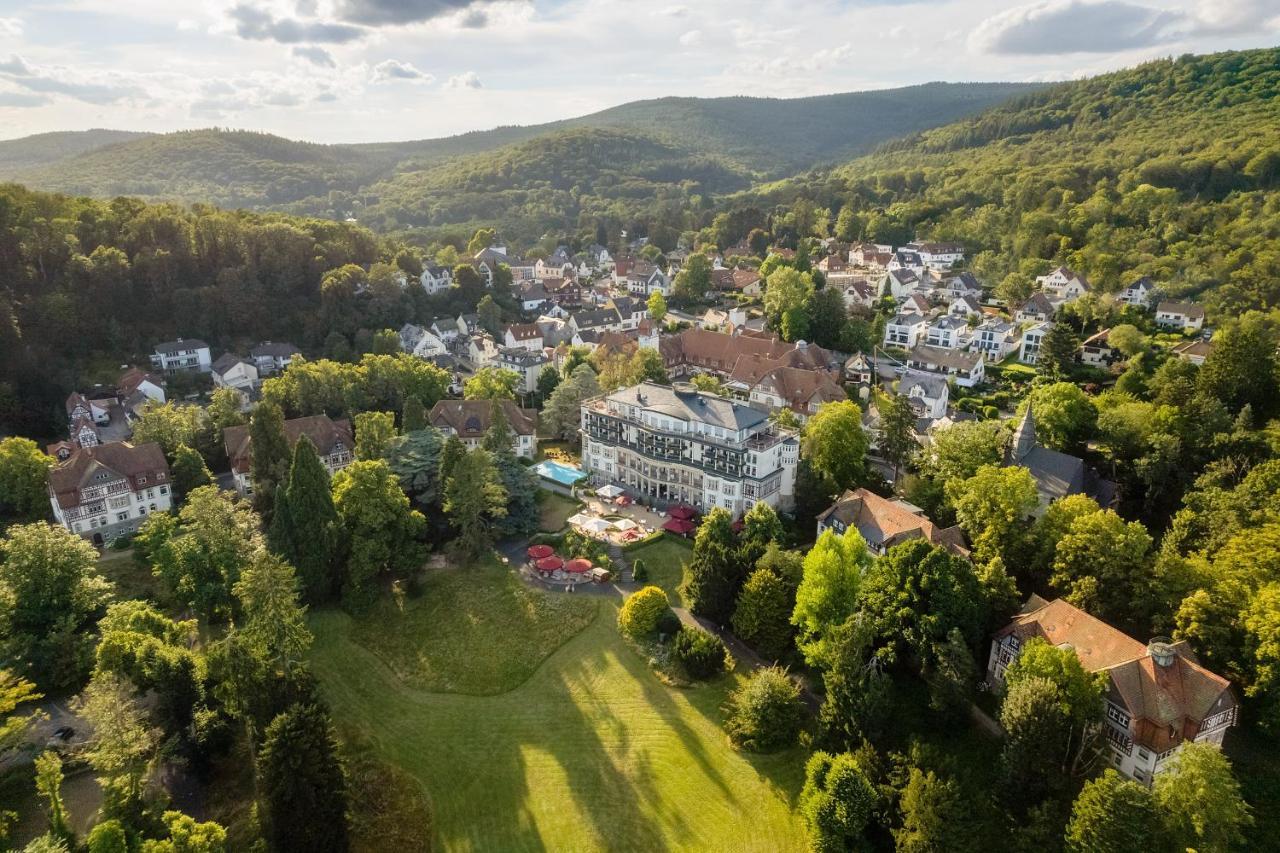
[(800, 527)]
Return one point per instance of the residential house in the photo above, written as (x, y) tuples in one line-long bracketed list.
[(675, 444), (479, 350), (906, 260), (270, 357), (134, 382), (444, 328), (1194, 351), (928, 393), (899, 283), (333, 441), (469, 324), (1032, 340), (421, 342), (469, 420), (1138, 294), (436, 279), (533, 296), (938, 256), (79, 407), (488, 261), (948, 331), (182, 355), (1096, 351), (1157, 696), (904, 330), (871, 255), (525, 363), (859, 370), (1187, 316), (915, 303), (995, 339), (802, 391), (523, 336), (964, 306), (703, 351), (109, 490), (632, 311), (964, 284), (596, 320), (860, 293), (723, 319), (883, 523), (1037, 309), (233, 371), (554, 267), (1062, 285), (966, 369)]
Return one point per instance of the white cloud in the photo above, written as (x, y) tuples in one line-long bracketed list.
[(257, 24), (466, 80), (55, 80), (394, 69), (693, 38), (1053, 27), (383, 12), (315, 55), (22, 99), (10, 27)]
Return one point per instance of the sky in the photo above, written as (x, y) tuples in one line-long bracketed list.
[(380, 70)]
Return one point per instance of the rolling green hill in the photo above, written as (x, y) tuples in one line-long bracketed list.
[(1170, 169), (31, 152), (750, 138)]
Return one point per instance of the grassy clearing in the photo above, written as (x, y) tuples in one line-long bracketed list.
[(591, 752), (665, 559), (478, 631), (131, 580), (554, 511)]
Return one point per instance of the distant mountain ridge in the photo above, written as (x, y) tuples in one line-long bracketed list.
[(739, 140)]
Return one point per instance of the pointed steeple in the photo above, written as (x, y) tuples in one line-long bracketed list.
[(1024, 437)]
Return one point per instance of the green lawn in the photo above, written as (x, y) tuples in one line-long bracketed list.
[(554, 511), (131, 580), (665, 560), (478, 631), (591, 752)]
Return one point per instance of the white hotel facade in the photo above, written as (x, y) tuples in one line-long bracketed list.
[(678, 445)]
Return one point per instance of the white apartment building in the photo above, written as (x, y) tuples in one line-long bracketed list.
[(676, 444), (108, 490), (173, 356)]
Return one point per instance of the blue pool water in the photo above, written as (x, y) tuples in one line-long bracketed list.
[(565, 475)]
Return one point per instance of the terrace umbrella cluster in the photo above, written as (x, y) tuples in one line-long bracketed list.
[(680, 526)]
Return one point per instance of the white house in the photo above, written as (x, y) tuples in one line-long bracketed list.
[(965, 368), (435, 279), (1032, 340), (1063, 285), (135, 388), (928, 393), (469, 420), (1138, 294), (938, 256), (899, 282), (1096, 350), (964, 306), (523, 336), (964, 284), (1186, 316), (645, 279), (480, 350), (270, 357), (860, 293), (948, 331), (179, 355), (904, 331), (1193, 351), (906, 260), (79, 407), (109, 490), (526, 363), (1038, 308), (995, 339), (232, 371), (421, 342)]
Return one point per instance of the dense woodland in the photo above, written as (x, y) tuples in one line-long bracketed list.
[(1170, 170)]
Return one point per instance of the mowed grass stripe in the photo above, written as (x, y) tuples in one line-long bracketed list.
[(590, 752)]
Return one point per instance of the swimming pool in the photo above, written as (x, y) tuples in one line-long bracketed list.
[(565, 475)]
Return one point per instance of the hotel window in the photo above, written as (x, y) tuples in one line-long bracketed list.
[(1143, 755), (164, 490), (122, 516)]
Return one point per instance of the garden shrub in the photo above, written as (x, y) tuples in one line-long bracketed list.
[(638, 572), (640, 613), (669, 623), (702, 654), (764, 714)]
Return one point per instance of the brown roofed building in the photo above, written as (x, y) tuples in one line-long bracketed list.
[(884, 523), (705, 351), (108, 490), (333, 440), (470, 420), (1157, 696)]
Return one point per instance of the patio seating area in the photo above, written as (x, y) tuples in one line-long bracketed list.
[(552, 568)]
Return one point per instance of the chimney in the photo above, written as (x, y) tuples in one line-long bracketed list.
[(1162, 652)]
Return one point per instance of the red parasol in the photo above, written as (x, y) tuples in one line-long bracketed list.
[(578, 566), (680, 526), (682, 511), (550, 564), (539, 552)]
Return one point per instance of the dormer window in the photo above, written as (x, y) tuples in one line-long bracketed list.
[(142, 479)]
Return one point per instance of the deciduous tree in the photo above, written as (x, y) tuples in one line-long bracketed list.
[(836, 445), (492, 383), (474, 498), (374, 431), (828, 590), (24, 471), (379, 528)]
